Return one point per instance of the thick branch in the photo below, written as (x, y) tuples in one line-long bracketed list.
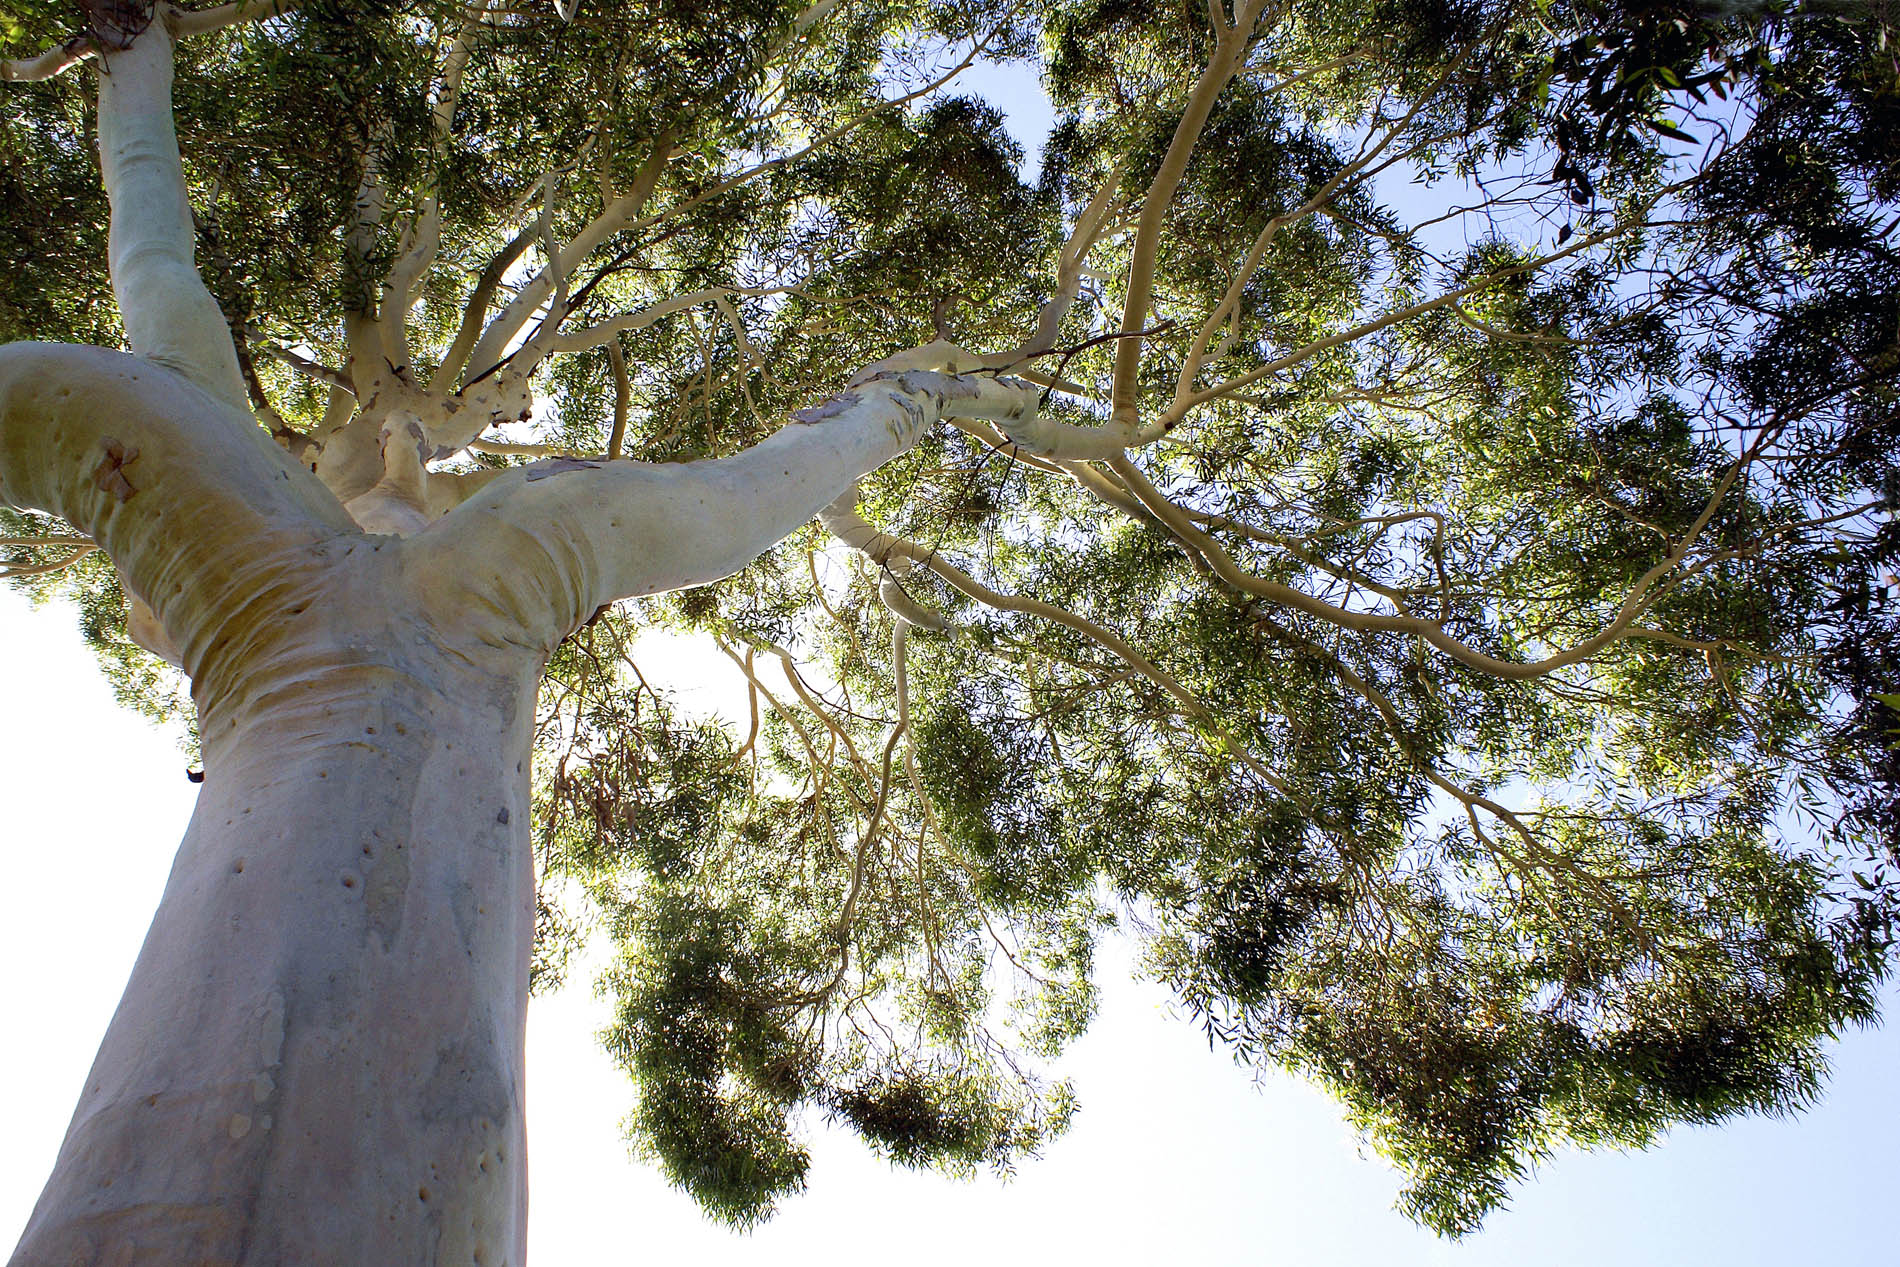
[(548, 544), (169, 316), (188, 495), (1229, 53)]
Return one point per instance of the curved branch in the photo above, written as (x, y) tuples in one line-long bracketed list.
[(10, 570), (624, 215), (1229, 52), (842, 520), (169, 316), (190, 498), (456, 358), (402, 285), (54, 61), (548, 544), (186, 22), (1640, 595), (1184, 403)]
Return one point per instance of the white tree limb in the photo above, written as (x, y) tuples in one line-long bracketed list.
[(190, 498), (203, 21), (492, 346), (182, 22), (1230, 51), (580, 534), (170, 318)]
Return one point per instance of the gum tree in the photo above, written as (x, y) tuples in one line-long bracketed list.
[(1396, 517)]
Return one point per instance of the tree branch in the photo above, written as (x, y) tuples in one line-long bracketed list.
[(405, 277), (182, 22), (186, 493), (170, 317), (1229, 52), (577, 535), (456, 358), (186, 22)]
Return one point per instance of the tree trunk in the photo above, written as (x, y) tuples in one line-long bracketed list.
[(318, 1058)]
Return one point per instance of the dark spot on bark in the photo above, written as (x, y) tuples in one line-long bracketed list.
[(238, 866), (195, 776), (503, 816), (109, 476), (422, 1194), (349, 881)]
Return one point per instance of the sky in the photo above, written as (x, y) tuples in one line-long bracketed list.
[(1177, 1153)]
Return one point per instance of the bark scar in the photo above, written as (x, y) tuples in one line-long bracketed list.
[(554, 466), (827, 409), (109, 476)]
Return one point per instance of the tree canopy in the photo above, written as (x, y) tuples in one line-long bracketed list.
[(1445, 610)]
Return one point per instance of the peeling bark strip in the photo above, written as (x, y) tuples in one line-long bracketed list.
[(109, 476), (827, 409)]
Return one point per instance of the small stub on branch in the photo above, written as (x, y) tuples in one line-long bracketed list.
[(109, 475)]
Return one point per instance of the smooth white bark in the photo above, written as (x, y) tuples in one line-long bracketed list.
[(581, 534), (169, 316), (318, 1058), (187, 495)]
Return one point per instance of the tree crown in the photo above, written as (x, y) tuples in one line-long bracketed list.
[(1453, 559)]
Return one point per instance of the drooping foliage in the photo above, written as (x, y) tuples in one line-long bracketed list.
[(1472, 682)]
